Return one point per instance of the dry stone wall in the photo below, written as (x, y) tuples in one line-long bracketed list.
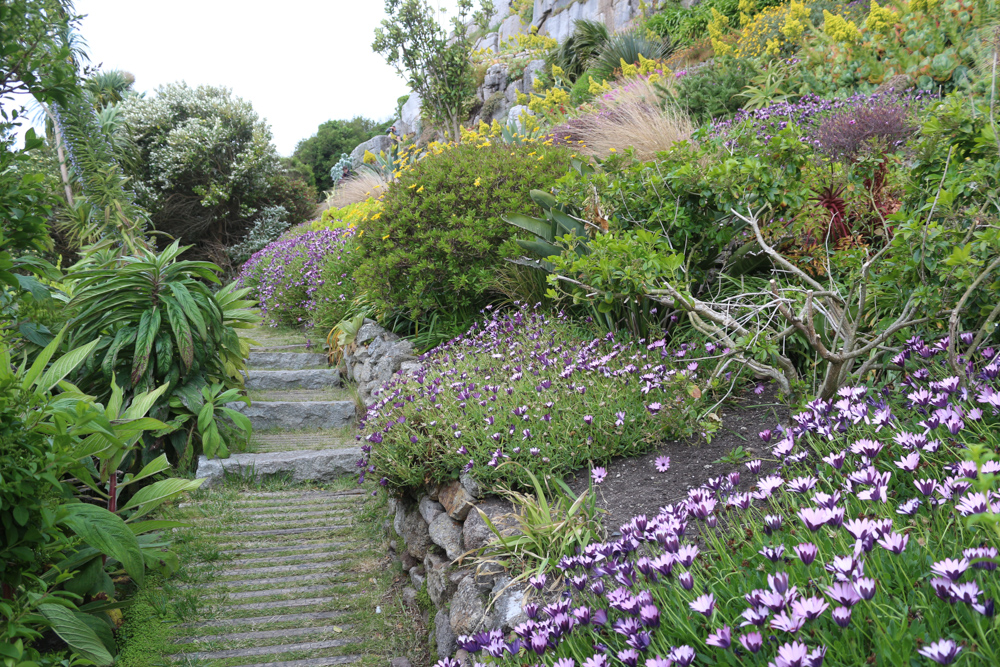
[(433, 532)]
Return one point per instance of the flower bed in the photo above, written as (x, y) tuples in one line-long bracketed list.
[(287, 274), (525, 387), (873, 542)]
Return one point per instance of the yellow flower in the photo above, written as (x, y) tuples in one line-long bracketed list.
[(476, 183), (361, 233), (377, 215), (385, 237), (412, 186), (420, 189), (612, 150)]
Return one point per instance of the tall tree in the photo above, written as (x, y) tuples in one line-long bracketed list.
[(333, 138), (435, 64)]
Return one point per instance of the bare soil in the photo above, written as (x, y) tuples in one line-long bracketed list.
[(633, 485)]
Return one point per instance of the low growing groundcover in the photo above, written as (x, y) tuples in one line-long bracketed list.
[(873, 541), (525, 387)]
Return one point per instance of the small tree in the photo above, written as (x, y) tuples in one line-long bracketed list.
[(435, 66)]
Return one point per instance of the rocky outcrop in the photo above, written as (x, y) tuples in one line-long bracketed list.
[(375, 145), (555, 18), (374, 356), (409, 121)]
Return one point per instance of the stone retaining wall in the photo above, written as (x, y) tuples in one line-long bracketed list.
[(433, 531)]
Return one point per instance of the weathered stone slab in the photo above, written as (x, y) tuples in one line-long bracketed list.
[(323, 465), (287, 360), (456, 500), (312, 662), (262, 635), (251, 620), (297, 415), (318, 378), (447, 534), (267, 650)]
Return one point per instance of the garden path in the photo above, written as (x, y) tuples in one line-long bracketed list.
[(280, 576)]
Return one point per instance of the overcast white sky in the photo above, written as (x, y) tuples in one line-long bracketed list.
[(299, 62)]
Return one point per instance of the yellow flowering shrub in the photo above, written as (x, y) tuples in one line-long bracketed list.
[(598, 88), (795, 20), (349, 216), (747, 9), (840, 29), (369, 157), (552, 103), (762, 35), (717, 29), (880, 19)]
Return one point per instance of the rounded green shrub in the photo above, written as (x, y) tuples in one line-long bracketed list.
[(440, 236)]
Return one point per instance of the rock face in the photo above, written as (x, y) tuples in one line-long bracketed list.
[(475, 532), (415, 533), (447, 534), (511, 27), (495, 81), (287, 360), (456, 500), (373, 358), (444, 636), (555, 18), (409, 121), (374, 145), (467, 608), (323, 465), (514, 115)]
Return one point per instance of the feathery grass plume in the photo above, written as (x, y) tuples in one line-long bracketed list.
[(631, 116), (363, 184)]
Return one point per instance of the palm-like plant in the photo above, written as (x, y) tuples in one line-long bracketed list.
[(574, 55), (159, 323), (628, 46)]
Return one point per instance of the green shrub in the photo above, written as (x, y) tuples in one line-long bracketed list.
[(439, 236), (685, 26), (712, 91), (337, 291)]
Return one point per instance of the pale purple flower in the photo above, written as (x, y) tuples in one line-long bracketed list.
[(806, 552), (662, 463), (942, 651), (598, 474), (752, 641), (703, 604), (722, 638)]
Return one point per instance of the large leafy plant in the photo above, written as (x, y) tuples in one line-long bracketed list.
[(158, 323), (58, 553)]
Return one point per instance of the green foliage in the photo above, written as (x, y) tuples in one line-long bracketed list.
[(684, 26), (157, 323), (52, 558), (205, 164), (616, 275), (320, 152), (933, 44), (712, 91), (336, 295), (271, 223), (574, 55), (440, 234), (435, 66), (627, 46), (552, 523)]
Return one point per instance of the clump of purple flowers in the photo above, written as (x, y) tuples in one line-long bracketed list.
[(878, 510), (287, 274)]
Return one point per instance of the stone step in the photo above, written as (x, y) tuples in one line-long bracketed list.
[(297, 415), (292, 514), (328, 573), (305, 440), (320, 378), (263, 635), (322, 565), (324, 465), (324, 395), (250, 497), (265, 650), (296, 591), (306, 557), (263, 619), (308, 548), (278, 604), (289, 361), (303, 530), (292, 520), (310, 662)]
